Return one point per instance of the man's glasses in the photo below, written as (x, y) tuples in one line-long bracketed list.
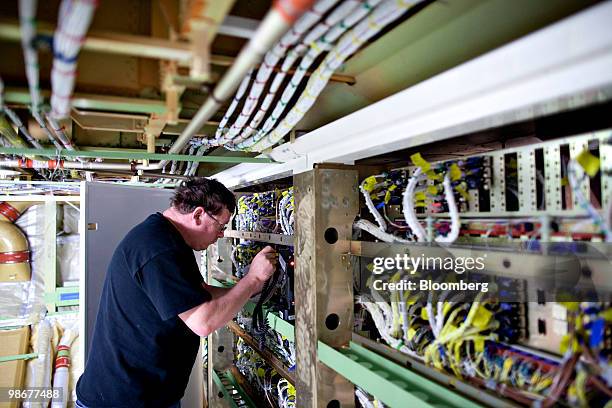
[(222, 227)]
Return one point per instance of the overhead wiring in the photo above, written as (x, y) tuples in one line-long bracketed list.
[(267, 66), (73, 22), (312, 45), (383, 14)]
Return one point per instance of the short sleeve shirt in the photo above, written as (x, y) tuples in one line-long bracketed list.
[(142, 353)]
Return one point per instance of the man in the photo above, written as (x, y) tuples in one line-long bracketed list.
[(155, 305)]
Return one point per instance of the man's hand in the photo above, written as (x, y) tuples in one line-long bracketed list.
[(262, 267)]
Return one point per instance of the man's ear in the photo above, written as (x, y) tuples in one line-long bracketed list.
[(198, 214)]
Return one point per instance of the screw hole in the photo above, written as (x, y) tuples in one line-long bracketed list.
[(333, 404), (332, 321), (220, 394), (507, 263), (331, 235), (220, 349)]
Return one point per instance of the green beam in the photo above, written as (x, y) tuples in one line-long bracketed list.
[(243, 394), (96, 102), (276, 322), (4, 359), (394, 385), (105, 154), (222, 388)]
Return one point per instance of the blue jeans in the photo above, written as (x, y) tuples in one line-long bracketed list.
[(81, 405)]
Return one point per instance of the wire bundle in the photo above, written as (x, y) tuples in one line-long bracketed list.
[(265, 380), (334, 30), (257, 212), (73, 21), (275, 342), (465, 339), (242, 255), (284, 211)]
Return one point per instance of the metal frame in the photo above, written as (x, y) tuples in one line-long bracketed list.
[(389, 382), (552, 176), (131, 155), (326, 203), (278, 239)]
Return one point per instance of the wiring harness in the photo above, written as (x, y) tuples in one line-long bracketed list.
[(274, 389)]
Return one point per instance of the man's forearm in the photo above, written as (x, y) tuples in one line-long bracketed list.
[(218, 311), (215, 291)]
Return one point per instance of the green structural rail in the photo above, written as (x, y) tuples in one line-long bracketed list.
[(246, 398), (105, 154), (391, 383), (276, 322), (235, 395), (4, 359)]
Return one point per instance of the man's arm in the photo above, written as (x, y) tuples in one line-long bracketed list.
[(215, 291), (226, 303)]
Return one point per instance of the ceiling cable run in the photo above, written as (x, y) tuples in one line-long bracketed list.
[(317, 44), (384, 14), (27, 25), (270, 61)]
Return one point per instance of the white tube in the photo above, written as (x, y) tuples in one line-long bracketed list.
[(408, 207), (453, 213)]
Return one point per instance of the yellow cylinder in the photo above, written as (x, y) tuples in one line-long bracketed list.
[(14, 254)]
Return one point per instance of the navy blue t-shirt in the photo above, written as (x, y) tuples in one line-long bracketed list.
[(142, 353)]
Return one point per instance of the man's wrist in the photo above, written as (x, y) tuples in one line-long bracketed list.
[(253, 285)]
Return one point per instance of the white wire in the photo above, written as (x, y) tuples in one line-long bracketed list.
[(315, 47), (382, 225), (370, 228), (408, 207), (453, 212)]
